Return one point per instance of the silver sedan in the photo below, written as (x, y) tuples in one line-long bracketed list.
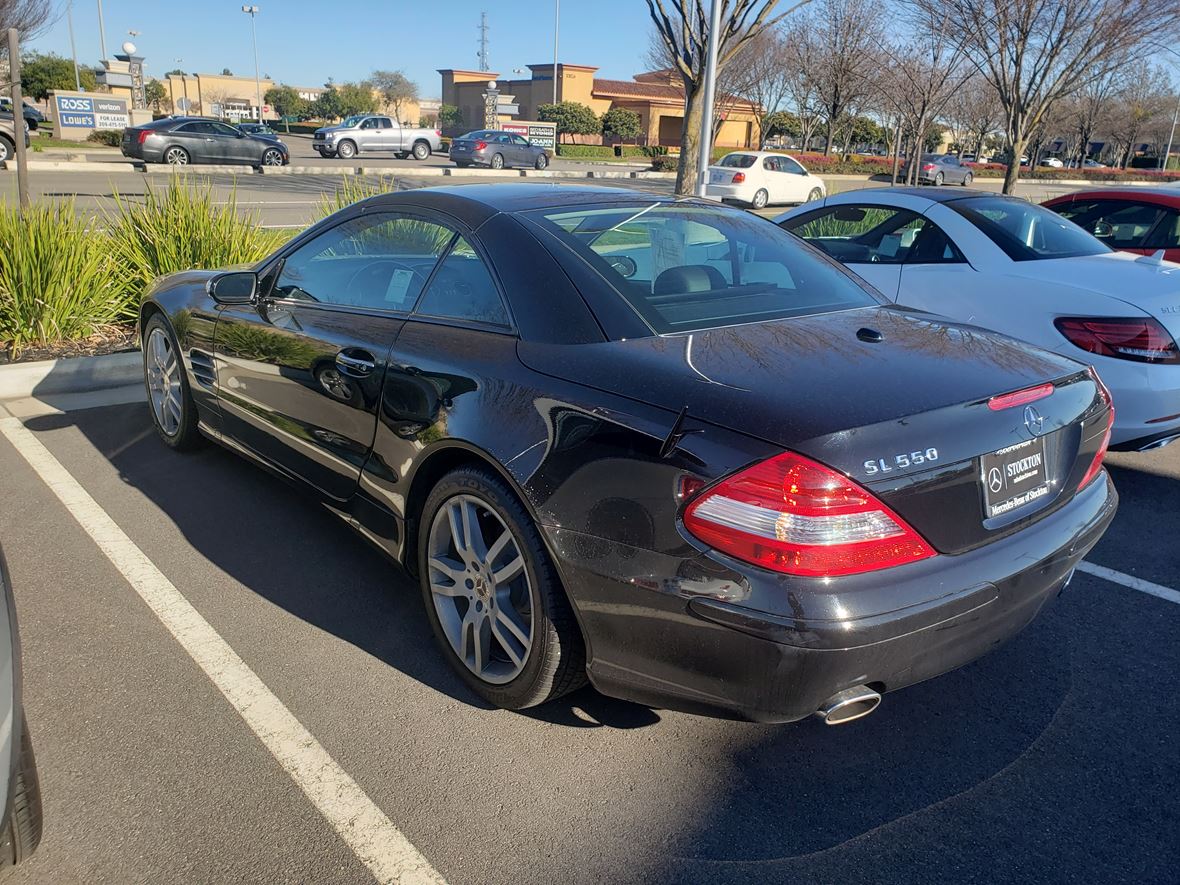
[(497, 149), (939, 169)]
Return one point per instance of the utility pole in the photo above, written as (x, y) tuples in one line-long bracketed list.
[(1171, 134), (252, 11), (102, 33), (18, 119), (484, 64), (556, 23), (73, 49), (706, 145)]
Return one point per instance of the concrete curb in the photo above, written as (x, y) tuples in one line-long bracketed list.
[(70, 375), (77, 166), (312, 170), (195, 169)]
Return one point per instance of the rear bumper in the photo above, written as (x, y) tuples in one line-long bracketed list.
[(693, 641), (742, 193), (1146, 401)]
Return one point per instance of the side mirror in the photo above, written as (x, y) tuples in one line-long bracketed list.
[(235, 287), (1103, 229)]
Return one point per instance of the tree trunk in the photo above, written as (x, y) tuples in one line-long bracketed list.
[(690, 140), (1012, 173), (896, 153), (829, 134)]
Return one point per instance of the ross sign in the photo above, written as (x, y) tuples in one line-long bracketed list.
[(93, 113)]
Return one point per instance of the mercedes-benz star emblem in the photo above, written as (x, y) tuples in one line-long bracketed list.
[(1033, 420), (995, 479)]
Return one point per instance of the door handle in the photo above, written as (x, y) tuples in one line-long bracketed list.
[(356, 365)]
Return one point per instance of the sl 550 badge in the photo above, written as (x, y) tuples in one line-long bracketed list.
[(900, 462)]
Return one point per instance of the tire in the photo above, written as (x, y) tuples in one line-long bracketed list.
[(272, 157), (400, 155), (553, 662), (421, 151), (170, 401), (938, 179), (497, 161), (346, 150), (816, 194), (21, 833), (967, 179), (176, 156), (761, 198), (7, 149), (542, 161)]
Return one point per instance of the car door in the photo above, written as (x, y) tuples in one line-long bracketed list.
[(299, 373), (1124, 224), (870, 240), (1165, 235), (934, 270), (953, 171), (522, 151), (234, 147), (774, 180), (196, 137), (797, 182), (388, 135), (457, 348)]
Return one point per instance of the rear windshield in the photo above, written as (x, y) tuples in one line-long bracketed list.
[(479, 135), (684, 267), (737, 161), (1025, 231)]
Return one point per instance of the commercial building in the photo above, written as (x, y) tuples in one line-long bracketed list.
[(657, 96)]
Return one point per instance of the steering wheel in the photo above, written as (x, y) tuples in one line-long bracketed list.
[(373, 277)]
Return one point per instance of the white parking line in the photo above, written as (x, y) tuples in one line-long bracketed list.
[(371, 835), (1109, 574)]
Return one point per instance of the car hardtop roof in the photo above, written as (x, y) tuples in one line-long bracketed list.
[(1156, 193), (475, 203), (938, 194)]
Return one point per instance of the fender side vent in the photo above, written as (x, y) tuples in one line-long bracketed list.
[(202, 366)]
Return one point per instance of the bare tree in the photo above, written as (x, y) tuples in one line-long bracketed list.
[(1090, 107), (974, 112), (844, 63), (30, 17), (685, 32), (1036, 52), (761, 73), (802, 96), (1137, 106)]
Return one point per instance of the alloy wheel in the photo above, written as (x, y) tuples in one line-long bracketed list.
[(163, 381), (176, 157), (272, 158), (482, 592)]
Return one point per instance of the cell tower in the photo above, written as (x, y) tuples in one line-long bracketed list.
[(482, 55)]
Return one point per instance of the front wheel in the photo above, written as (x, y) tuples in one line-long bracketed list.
[(542, 161), (421, 150), (176, 156), (761, 198), (967, 179), (346, 150), (272, 157), (497, 161), (7, 149), (174, 413), (492, 595)]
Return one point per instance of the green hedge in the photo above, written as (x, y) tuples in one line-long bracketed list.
[(585, 150), (111, 137)]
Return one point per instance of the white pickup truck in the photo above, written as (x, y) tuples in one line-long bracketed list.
[(373, 133)]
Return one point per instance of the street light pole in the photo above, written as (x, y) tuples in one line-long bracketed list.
[(102, 35), (1172, 134), (252, 11), (706, 144), (73, 50), (556, 23)]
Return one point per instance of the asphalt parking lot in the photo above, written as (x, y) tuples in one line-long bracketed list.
[(1051, 760)]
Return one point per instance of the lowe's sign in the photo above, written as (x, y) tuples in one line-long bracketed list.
[(92, 112)]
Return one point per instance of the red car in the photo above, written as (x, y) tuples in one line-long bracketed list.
[(1130, 219)]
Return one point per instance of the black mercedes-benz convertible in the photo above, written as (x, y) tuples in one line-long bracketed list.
[(653, 442)]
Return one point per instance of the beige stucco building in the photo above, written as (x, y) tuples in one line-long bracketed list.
[(657, 96)]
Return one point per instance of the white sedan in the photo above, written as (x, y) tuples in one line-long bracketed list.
[(1008, 265), (757, 179)]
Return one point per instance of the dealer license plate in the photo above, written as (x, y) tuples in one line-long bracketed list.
[(1014, 477)]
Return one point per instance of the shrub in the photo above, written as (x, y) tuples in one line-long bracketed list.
[(110, 137), (57, 279), (585, 150), (665, 164), (180, 229)]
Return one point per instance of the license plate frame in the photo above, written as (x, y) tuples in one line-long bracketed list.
[(1014, 477)]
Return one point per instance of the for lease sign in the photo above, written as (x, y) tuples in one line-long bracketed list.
[(92, 112)]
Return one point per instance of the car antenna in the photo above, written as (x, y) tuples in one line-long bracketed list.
[(676, 434), (1155, 259)]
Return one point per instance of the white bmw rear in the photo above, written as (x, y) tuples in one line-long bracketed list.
[(1017, 268), (759, 178)]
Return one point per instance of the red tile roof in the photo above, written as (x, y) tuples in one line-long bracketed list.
[(632, 89)]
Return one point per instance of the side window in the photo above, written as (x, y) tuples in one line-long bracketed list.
[(519, 141), (787, 164), (771, 164), (463, 289), (1124, 225), (222, 129), (859, 234), (378, 261), (198, 127), (504, 138), (370, 123), (385, 123), (931, 246), (1167, 233)]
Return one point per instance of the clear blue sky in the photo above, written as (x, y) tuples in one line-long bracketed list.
[(304, 42)]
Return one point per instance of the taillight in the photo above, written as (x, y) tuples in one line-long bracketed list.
[(739, 177), (1096, 464), (480, 145), (790, 514), (929, 167), (143, 135), (438, 132), (1019, 397), (1141, 339)]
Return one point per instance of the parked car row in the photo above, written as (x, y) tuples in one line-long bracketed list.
[(179, 141), (670, 448)]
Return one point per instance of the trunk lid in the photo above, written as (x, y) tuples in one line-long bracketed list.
[(907, 416)]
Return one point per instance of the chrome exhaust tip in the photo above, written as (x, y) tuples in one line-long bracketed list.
[(849, 704)]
